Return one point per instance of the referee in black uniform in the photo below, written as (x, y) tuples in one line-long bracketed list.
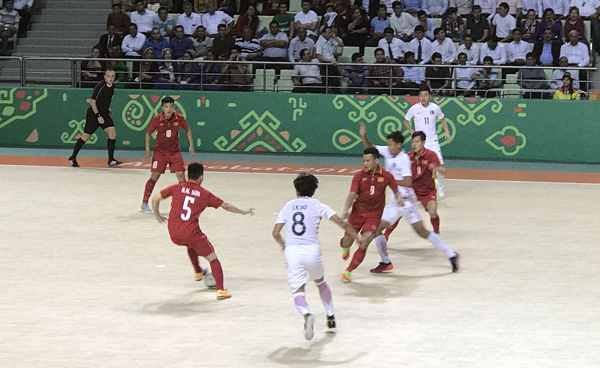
[(98, 115)]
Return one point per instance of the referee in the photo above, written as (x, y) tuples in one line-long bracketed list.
[(98, 115)]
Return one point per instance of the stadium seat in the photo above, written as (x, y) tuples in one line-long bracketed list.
[(511, 90), (285, 84), (264, 80), (512, 78), (369, 56), (346, 56), (295, 6)]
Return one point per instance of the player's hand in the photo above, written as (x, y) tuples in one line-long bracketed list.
[(345, 214), (250, 212), (100, 120), (363, 130), (448, 137), (146, 155), (432, 166), (109, 111), (192, 152), (399, 200), (161, 219)]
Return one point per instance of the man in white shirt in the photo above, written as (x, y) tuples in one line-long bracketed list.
[(299, 43), (143, 17), (560, 7), (307, 76), (517, 50), (470, 49), (134, 42), (420, 46), (435, 8), (586, 8), (9, 25), (444, 46), (503, 23), (212, 18), (274, 44), (462, 78), (188, 20), (402, 23), (23, 7), (578, 54), (393, 47), (494, 49), (413, 75), (325, 54), (307, 19), (557, 74)]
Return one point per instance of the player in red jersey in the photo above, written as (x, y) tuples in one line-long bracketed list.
[(367, 198), (190, 199)]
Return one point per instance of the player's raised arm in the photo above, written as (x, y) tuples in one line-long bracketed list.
[(446, 131), (231, 208), (277, 235), (363, 135), (155, 208), (191, 140)]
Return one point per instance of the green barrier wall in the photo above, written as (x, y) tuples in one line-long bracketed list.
[(562, 131)]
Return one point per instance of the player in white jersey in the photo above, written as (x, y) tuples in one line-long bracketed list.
[(398, 164), (302, 217), (425, 115)]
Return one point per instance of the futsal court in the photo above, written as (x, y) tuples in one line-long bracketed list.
[(89, 281)]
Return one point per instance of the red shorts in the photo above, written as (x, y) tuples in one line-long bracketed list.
[(364, 223), (160, 160), (424, 199), (197, 241)]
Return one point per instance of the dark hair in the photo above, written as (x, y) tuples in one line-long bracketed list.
[(195, 170), (108, 25), (530, 54), (167, 100), (488, 58), (307, 1), (356, 55), (306, 184), (438, 30), (303, 52), (238, 48), (163, 8), (219, 26), (396, 136), (178, 27), (568, 76), (133, 24), (138, 1), (117, 4), (419, 134), (388, 30), (467, 36), (378, 49), (421, 12), (493, 38), (476, 7), (382, 6), (419, 28), (424, 87), (323, 30), (517, 30), (462, 53), (452, 10), (273, 22), (408, 54), (436, 55), (396, 3), (372, 151), (504, 5), (187, 3)]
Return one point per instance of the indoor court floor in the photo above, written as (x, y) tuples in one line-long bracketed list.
[(89, 281)]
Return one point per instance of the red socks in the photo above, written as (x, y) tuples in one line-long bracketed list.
[(359, 256), (194, 258), (217, 272), (435, 222), (148, 190), (389, 230)]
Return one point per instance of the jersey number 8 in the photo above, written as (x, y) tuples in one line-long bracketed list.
[(298, 219), (188, 211)]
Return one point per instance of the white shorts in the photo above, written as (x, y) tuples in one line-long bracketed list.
[(301, 259), (410, 211), (435, 147)]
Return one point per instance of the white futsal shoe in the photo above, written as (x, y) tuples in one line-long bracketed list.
[(145, 207), (309, 328)]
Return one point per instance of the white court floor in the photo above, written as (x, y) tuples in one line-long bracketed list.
[(80, 284)]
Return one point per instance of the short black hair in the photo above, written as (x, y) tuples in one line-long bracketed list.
[(134, 25), (438, 30), (378, 49), (388, 30), (424, 87), (382, 7), (421, 12), (530, 54), (408, 54), (356, 55), (219, 26), (306, 184), (420, 28), (396, 136), (504, 5), (396, 3), (436, 55), (237, 48), (195, 170), (476, 7), (372, 151), (273, 22), (178, 26), (488, 58), (167, 100), (163, 8), (452, 10), (419, 134)]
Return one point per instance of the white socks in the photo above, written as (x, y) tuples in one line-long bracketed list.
[(301, 304), (381, 244), (438, 242)]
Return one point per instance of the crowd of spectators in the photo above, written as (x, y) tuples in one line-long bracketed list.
[(474, 37)]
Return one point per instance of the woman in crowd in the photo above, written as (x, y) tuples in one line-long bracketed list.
[(92, 71), (166, 71), (567, 91), (250, 19), (575, 22), (358, 29), (549, 22)]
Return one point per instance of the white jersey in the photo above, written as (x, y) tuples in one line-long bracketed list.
[(302, 217), (425, 119), (399, 167)]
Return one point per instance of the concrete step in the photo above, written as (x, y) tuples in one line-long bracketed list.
[(89, 35), (61, 28), (53, 50), (83, 5), (73, 17), (75, 14), (58, 42)]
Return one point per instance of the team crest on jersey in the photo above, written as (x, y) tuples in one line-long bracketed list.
[(175, 124), (431, 112), (424, 162), (380, 180), (364, 179)]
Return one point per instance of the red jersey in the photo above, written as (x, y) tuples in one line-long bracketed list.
[(423, 178), (370, 189), (167, 131), (189, 201)]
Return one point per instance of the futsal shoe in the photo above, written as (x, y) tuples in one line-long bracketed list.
[(346, 277), (223, 294), (73, 162), (145, 207), (331, 322), (345, 253), (382, 267), (454, 262), (209, 280), (309, 328), (114, 162), (199, 275)]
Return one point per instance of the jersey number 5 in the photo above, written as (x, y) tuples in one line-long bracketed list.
[(188, 211)]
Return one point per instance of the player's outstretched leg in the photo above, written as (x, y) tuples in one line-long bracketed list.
[(194, 259), (439, 243), (302, 307), (386, 263), (148, 188), (217, 271), (431, 208), (359, 256), (78, 145), (346, 242), (327, 299)]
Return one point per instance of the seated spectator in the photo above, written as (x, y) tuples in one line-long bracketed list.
[(567, 91), (250, 46), (487, 7), (133, 43), (444, 46), (574, 22), (494, 49), (577, 52), (119, 19), (453, 25), (274, 44), (557, 74), (559, 7), (486, 78), (533, 78), (413, 76), (211, 77), (110, 39), (548, 22), (188, 19), (187, 75), (156, 42), (517, 51), (165, 22), (393, 47), (236, 75), (420, 46), (23, 7), (402, 23), (213, 18), (503, 23), (530, 26), (547, 50), (326, 53), (223, 43), (357, 75), (307, 75), (435, 8), (9, 22), (120, 68), (299, 43), (428, 25), (462, 78), (464, 7), (200, 5), (92, 71), (383, 78), (202, 42), (307, 19), (128, 5), (358, 29), (411, 6), (250, 19), (143, 17), (337, 44), (145, 71), (285, 20), (515, 8), (471, 50), (438, 78), (478, 26), (587, 8), (166, 71), (180, 43), (329, 17), (378, 25)]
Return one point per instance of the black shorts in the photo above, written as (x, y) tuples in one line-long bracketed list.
[(91, 122)]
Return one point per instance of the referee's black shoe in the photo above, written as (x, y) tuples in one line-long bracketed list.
[(114, 162), (73, 162)]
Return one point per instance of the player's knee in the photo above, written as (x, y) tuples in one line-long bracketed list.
[(319, 280), (85, 137)]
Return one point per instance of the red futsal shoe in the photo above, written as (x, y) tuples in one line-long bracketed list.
[(382, 267)]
